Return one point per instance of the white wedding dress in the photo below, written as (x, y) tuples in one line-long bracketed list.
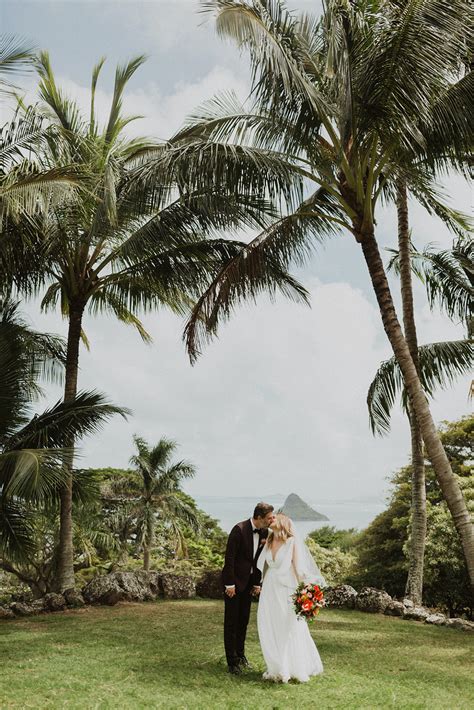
[(287, 646)]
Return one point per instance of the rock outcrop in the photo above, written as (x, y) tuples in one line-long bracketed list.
[(372, 600), (122, 586), (460, 624), (176, 586), (395, 608), (209, 586), (342, 597), (54, 602), (143, 586), (74, 598), (416, 613), (6, 613), (297, 509)]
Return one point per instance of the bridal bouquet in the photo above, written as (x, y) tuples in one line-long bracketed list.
[(307, 601)]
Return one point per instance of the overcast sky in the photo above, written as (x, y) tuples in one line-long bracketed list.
[(277, 403)]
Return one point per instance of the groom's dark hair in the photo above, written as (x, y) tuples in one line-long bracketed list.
[(262, 509)]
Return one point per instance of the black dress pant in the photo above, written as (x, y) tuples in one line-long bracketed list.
[(236, 619)]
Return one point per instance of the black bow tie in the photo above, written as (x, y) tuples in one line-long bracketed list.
[(260, 533)]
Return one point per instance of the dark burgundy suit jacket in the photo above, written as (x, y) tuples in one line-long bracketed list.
[(239, 557)]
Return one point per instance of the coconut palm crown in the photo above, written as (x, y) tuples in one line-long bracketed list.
[(160, 488)]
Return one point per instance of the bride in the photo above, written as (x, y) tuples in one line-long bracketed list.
[(287, 646)]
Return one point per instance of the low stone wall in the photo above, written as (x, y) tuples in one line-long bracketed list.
[(71, 599), (144, 586), (109, 589), (377, 601)]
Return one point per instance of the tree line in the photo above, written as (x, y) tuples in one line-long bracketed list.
[(369, 103)]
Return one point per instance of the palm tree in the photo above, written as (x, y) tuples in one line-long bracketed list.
[(160, 494), (438, 365), (446, 275), (120, 246), (414, 585), (32, 450), (344, 104)]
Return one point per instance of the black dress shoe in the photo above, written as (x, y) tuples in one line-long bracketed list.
[(235, 670), (243, 663)]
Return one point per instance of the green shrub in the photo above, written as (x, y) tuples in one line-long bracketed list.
[(335, 564)]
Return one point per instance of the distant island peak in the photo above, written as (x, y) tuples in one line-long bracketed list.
[(297, 509)]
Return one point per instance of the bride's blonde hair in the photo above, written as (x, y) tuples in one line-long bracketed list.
[(282, 526)]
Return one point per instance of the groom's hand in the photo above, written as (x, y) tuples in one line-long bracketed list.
[(230, 591), (256, 590)]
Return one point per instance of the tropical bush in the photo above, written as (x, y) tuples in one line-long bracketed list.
[(329, 537), (381, 549), (335, 564)]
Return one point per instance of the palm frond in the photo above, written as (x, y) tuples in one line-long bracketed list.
[(17, 531), (65, 111), (77, 418), (106, 300), (123, 75), (34, 474), (449, 278), (16, 56), (440, 365), (260, 267)]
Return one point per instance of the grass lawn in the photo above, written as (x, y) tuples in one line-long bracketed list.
[(169, 655)]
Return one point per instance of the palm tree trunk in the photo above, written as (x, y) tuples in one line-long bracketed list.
[(414, 585), (65, 572), (149, 536), (442, 468)]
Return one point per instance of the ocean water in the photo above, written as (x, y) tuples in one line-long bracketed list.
[(342, 514)]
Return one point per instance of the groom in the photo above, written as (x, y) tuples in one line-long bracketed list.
[(241, 579)]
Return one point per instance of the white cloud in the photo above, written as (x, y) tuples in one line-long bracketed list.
[(276, 403), (162, 113)]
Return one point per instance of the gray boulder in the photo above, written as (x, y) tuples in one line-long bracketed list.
[(461, 624), (151, 582), (408, 603), (22, 609), (209, 585), (176, 586), (372, 600), (39, 605), (54, 602), (395, 609), (436, 619), (342, 597), (417, 613), (6, 613), (103, 590), (123, 586), (73, 598)]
